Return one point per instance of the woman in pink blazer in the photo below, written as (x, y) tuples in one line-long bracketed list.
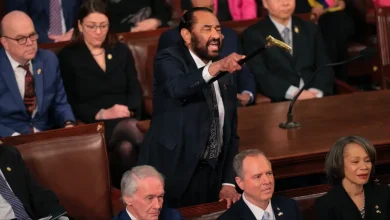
[(240, 9)]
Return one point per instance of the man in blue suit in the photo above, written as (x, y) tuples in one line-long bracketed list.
[(53, 19), (245, 79), (143, 194), (32, 97)]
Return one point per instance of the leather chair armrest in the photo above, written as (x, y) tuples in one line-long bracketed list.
[(261, 99), (344, 88), (116, 203), (143, 126)]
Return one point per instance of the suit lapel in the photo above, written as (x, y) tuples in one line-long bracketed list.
[(38, 80), (278, 212), (8, 75), (298, 39), (245, 212), (273, 31)]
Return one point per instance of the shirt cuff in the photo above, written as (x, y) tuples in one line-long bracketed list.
[(291, 91), (15, 134), (250, 94), (205, 73), (228, 184), (320, 93)]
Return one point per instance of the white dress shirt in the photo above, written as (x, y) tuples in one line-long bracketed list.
[(20, 76), (6, 211), (131, 216), (290, 93), (207, 77), (257, 211)]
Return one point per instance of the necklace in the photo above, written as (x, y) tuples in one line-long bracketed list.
[(362, 210), (98, 53)]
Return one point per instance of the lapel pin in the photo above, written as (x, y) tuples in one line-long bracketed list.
[(9, 169), (109, 56), (277, 208), (296, 29), (39, 71), (377, 209), (280, 213)]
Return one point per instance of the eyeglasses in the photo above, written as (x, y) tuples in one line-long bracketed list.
[(23, 40), (103, 27)]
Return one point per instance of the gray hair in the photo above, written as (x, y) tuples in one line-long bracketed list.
[(239, 159), (334, 161), (130, 179)]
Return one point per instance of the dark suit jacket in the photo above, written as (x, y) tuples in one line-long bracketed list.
[(276, 70), (182, 119), (337, 205), (231, 44), (284, 209), (53, 108), (165, 214), (39, 11), (37, 201)]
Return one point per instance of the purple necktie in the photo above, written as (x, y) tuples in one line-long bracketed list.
[(55, 18)]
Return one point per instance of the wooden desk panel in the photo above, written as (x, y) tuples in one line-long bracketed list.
[(302, 151)]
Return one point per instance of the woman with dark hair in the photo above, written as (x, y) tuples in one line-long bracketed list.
[(101, 83), (349, 166)]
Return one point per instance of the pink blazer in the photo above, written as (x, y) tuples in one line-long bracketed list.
[(240, 9)]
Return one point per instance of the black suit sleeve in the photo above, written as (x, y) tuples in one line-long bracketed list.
[(84, 112), (267, 83), (323, 210), (134, 93), (298, 211), (324, 79), (170, 72), (43, 201), (228, 172)]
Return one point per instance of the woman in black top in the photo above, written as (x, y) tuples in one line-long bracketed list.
[(349, 166), (138, 15), (101, 84)]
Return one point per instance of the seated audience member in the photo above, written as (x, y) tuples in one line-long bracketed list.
[(21, 197), (255, 178), (230, 44), (53, 19), (349, 166), (143, 194), (32, 97), (280, 74), (135, 16), (227, 10), (101, 82)]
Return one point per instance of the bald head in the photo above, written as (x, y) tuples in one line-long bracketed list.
[(17, 30)]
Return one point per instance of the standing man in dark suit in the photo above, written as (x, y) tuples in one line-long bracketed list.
[(53, 19), (21, 197), (255, 178), (280, 74), (231, 44), (193, 135), (32, 97)]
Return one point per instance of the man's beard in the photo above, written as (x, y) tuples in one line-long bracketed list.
[(202, 52)]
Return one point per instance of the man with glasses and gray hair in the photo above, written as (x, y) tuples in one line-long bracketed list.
[(32, 95), (254, 176), (143, 194)]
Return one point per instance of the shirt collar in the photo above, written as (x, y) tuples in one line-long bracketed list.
[(14, 63), (281, 27), (257, 211), (199, 63), (131, 216)]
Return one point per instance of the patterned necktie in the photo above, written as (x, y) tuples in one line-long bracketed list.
[(9, 196), (29, 98), (286, 36), (55, 27), (214, 143), (266, 216)]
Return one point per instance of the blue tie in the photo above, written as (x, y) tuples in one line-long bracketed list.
[(10, 197), (266, 216)]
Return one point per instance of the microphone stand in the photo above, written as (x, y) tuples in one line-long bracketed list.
[(290, 123)]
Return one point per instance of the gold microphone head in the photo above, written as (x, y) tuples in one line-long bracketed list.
[(275, 42)]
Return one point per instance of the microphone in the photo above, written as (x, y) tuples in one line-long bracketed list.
[(270, 42), (367, 53)]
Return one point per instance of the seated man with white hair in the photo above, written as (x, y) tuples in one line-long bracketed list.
[(143, 194)]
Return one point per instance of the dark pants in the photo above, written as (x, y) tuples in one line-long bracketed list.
[(203, 188)]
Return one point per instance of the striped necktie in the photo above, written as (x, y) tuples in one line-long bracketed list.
[(55, 27), (266, 216)]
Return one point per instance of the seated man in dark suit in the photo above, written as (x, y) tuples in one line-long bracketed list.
[(21, 197), (53, 19), (143, 194), (280, 74), (245, 79), (255, 178), (32, 97)]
